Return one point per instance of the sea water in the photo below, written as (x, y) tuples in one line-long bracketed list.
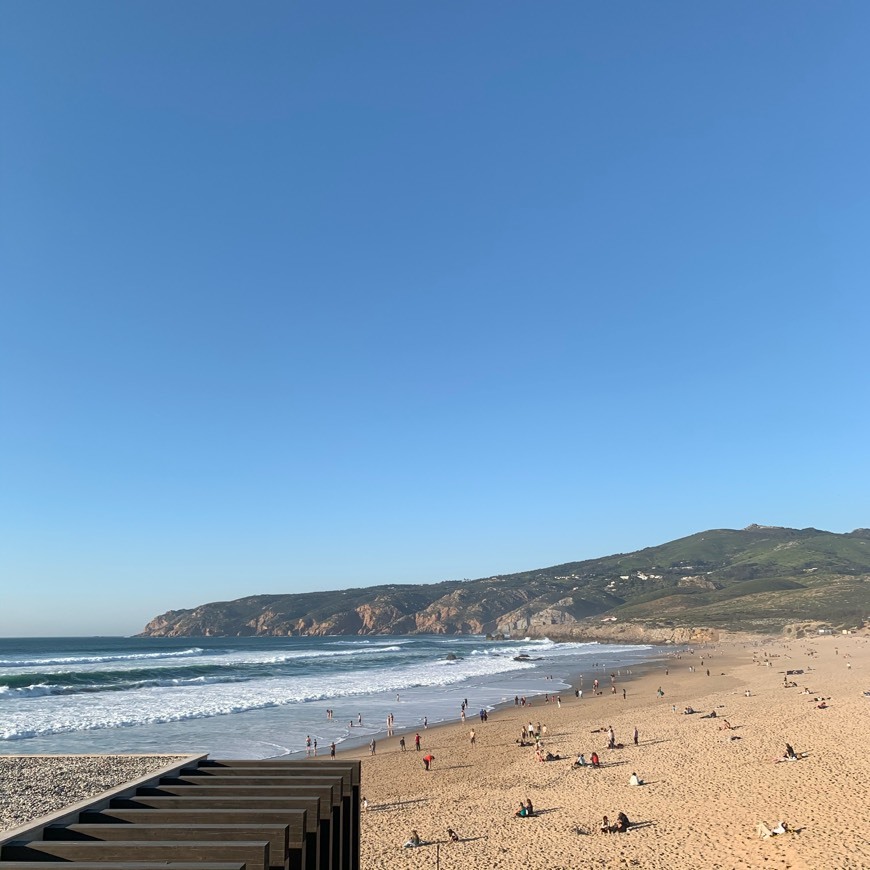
[(259, 697)]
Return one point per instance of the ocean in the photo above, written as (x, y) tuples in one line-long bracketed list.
[(259, 697)]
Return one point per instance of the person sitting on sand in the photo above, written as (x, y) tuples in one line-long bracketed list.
[(529, 808), (521, 813), (790, 754), (725, 726), (580, 762), (594, 760), (453, 835), (606, 827), (688, 711), (622, 824), (634, 779), (413, 841), (764, 832)]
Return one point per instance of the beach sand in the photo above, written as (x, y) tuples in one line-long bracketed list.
[(704, 792)]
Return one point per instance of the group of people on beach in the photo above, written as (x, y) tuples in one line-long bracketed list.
[(620, 826)]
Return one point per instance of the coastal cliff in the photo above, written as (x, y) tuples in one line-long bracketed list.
[(759, 579)]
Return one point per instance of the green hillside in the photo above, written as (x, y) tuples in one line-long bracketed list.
[(759, 578)]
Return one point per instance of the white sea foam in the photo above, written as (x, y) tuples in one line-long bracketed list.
[(163, 704), (66, 661), (41, 690), (192, 657)]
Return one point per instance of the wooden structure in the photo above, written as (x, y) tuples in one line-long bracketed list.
[(203, 814)]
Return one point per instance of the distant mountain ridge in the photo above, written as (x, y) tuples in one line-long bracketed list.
[(761, 578)]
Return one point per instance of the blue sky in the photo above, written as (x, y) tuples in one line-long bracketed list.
[(298, 296)]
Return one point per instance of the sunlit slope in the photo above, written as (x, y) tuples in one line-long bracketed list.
[(758, 578)]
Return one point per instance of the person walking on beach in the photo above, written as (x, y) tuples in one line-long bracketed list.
[(623, 694), (314, 746), (308, 745), (332, 749), (402, 743), (417, 741), (427, 761), (372, 746), (635, 735), (473, 737)]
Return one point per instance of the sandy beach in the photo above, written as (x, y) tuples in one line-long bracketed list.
[(705, 788)]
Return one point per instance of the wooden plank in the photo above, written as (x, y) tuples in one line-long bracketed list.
[(249, 779), (311, 803), (331, 823), (276, 835), (254, 854), (242, 769), (314, 834), (121, 865), (328, 792), (349, 770), (293, 820)]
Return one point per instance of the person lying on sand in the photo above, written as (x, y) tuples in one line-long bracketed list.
[(710, 715), (725, 726), (688, 711)]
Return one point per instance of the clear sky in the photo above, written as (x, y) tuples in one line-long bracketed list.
[(301, 296)]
